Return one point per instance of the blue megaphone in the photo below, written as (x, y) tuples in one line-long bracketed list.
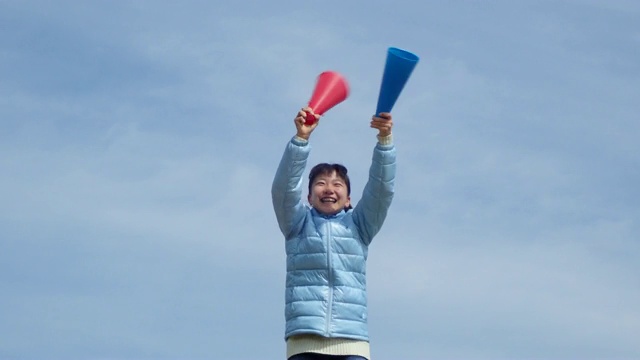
[(397, 69)]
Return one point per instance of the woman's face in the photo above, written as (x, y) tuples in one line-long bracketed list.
[(329, 194)]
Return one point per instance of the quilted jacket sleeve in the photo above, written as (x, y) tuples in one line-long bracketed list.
[(286, 190), (371, 211)]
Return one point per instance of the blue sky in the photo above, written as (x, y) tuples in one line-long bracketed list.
[(138, 141)]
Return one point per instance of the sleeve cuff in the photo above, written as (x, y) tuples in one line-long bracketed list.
[(385, 140), (299, 141)]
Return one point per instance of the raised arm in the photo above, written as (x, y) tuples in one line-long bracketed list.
[(371, 211), (286, 190)]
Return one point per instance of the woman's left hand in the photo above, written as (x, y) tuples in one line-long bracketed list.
[(383, 122)]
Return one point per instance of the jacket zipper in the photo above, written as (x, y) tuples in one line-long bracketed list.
[(330, 279)]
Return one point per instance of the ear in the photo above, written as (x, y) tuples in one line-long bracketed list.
[(348, 203), (309, 198)]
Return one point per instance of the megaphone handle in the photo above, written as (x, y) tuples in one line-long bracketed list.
[(310, 118), (378, 115)]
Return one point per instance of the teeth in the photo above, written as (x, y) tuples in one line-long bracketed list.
[(328, 200)]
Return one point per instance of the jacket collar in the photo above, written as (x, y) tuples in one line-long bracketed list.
[(334, 216)]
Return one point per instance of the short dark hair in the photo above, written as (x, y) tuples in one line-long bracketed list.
[(327, 169)]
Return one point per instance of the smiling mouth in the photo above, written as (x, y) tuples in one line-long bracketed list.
[(328, 200)]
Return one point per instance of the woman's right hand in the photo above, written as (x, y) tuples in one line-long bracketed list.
[(304, 130)]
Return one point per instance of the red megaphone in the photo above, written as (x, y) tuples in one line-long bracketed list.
[(331, 89)]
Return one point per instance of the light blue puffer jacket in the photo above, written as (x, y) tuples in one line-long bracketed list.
[(326, 255)]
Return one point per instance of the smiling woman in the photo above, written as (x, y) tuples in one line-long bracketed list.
[(327, 244)]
